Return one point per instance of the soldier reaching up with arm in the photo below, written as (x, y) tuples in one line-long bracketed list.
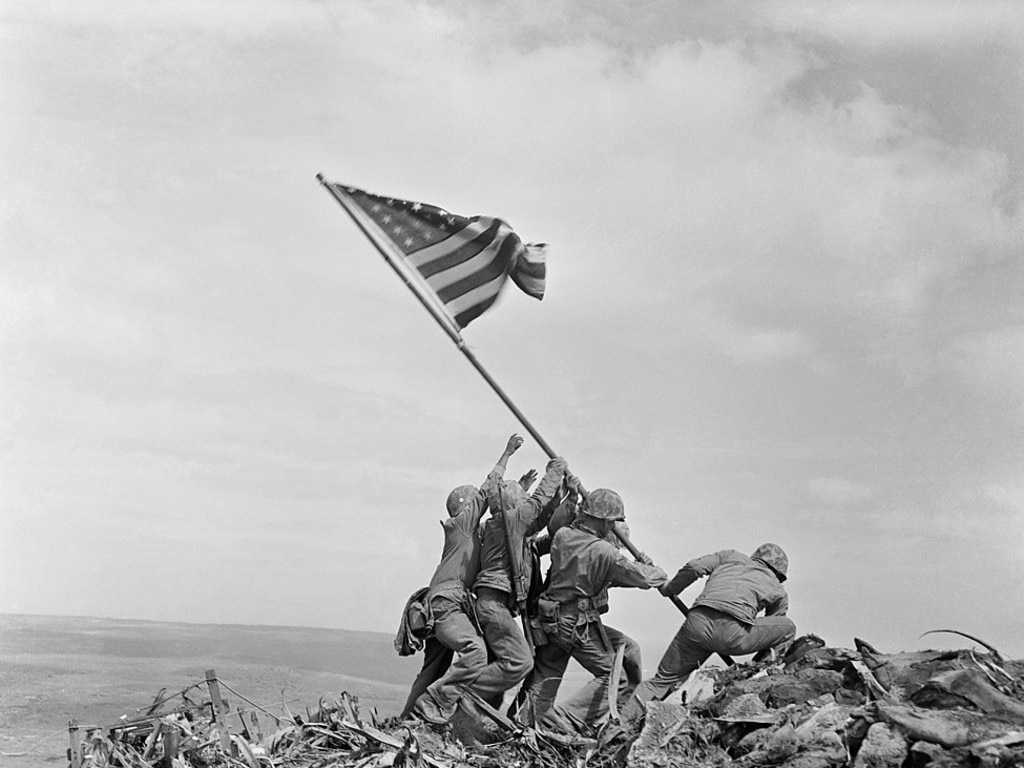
[(505, 572), (454, 632)]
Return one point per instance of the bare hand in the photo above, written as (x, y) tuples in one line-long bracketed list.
[(643, 557), (527, 479), (558, 464), (513, 445)]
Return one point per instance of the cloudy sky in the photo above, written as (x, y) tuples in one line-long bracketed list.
[(786, 275)]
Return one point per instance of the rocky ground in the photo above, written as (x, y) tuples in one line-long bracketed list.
[(815, 707)]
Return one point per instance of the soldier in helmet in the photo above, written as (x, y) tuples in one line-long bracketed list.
[(435, 693), (506, 571), (584, 564), (724, 618)]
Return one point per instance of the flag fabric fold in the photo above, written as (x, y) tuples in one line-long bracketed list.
[(464, 261)]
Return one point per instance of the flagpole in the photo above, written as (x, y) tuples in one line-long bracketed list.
[(454, 335)]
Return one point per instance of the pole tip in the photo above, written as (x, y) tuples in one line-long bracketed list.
[(320, 178)]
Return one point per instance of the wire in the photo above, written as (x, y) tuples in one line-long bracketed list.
[(253, 703)]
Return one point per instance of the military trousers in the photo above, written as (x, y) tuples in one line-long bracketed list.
[(436, 659), (510, 653), (454, 630), (585, 705), (706, 631), (593, 645)]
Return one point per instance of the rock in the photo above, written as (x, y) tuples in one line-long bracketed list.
[(831, 746), (802, 686), (782, 744), (932, 755), (662, 721), (971, 684), (883, 747), (752, 742), (810, 760), (672, 735), (801, 647), (699, 687), (831, 717), (941, 728), (747, 708)]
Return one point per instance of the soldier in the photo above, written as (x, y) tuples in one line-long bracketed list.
[(584, 564), (723, 618), (454, 632), (506, 565)]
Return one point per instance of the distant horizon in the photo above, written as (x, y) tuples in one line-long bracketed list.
[(648, 661), (196, 623)]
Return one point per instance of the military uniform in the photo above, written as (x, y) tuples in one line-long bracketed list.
[(436, 691), (583, 566), (513, 520), (723, 619)]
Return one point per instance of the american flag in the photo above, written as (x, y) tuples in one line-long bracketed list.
[(464, 261)]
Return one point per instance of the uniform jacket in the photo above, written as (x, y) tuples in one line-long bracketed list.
[(523, 521), (584, 566), (460, 556), (736, 585)]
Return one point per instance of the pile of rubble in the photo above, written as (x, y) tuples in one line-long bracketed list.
[(826, 707), (816, 707)]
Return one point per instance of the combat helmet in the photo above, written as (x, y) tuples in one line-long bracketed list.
[(774, 557), (604, 505), (506, 495), (458, 497)]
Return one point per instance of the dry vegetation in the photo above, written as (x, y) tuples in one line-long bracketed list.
[(816, 707)]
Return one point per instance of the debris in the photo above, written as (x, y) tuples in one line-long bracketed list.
[(884, 747), (926, 725), (812, 707), (974, 686), (998, 656)]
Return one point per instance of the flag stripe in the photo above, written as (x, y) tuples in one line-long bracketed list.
[(428, 253), (474, 303), (481, 261), (460, 253), (495, 271)]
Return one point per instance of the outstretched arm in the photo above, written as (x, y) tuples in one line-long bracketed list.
[(513, 445), (496, 474)]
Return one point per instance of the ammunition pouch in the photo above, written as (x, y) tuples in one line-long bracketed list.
[(537, 632), (548, 613)]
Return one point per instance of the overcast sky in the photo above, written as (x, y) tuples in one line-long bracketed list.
[(785, 300)]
